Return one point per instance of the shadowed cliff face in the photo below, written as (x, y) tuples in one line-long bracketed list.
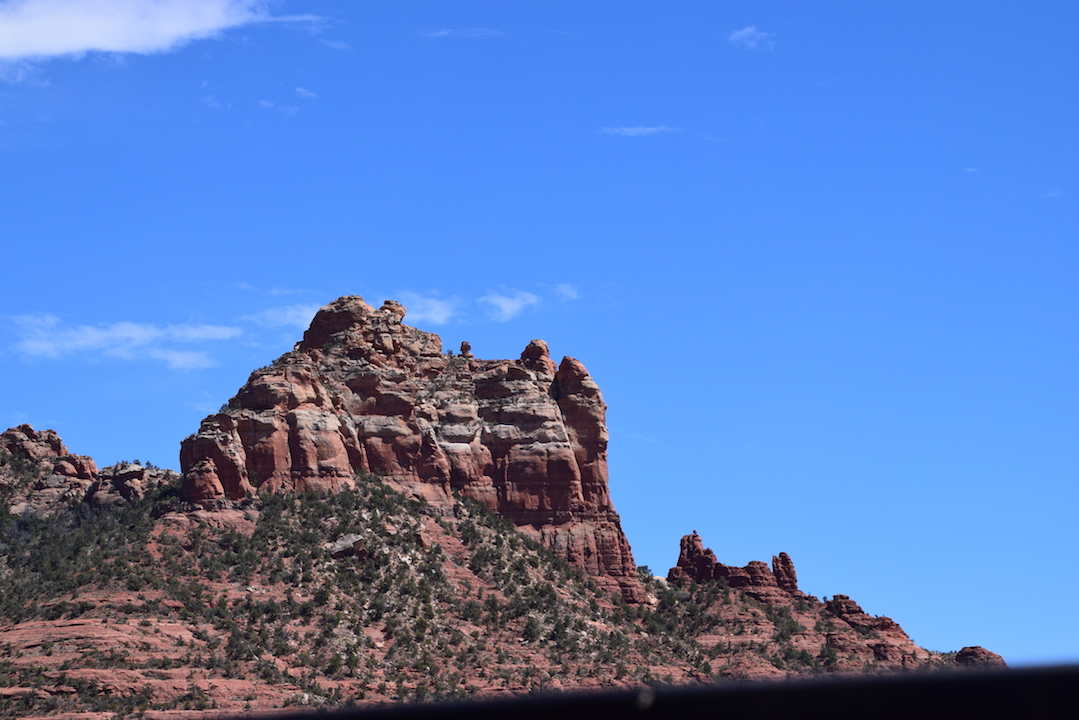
[(365, 393)]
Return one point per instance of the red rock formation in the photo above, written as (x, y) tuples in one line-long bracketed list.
[(783, 568), (843, 636), (364, 393), (695, 562), (38, 474), (851, 613), (978, 658)]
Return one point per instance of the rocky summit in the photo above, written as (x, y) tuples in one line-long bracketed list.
[(372, 520), (365, 393), (60, 477)]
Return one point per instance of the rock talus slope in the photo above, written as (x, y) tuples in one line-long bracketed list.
[(365, 393)]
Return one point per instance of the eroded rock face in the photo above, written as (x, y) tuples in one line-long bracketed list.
[(38, 471), (39, 474), (978, 658), (841, 635), (364, 393), (698, 563)]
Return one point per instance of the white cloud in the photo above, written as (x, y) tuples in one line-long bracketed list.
[(287, 109), (639, 131), (507, 307), (183, 359), (45, 336), (291, 315), (196, 333), (1055, 192), (752, 38), (213, 103), (336, 44), (420, 308), (566, 291), (462, 33), (48, 28), (305, 93)]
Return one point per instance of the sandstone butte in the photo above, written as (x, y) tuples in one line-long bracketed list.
[(365, 393)]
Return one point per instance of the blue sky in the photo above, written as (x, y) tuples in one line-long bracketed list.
[(821, 259)]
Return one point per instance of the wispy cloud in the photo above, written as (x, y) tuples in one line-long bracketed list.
[(1055, 192), (751, 38), (566, 291), (18, 72), (291, 316), (40, 29), (462, 33), (639, 131), (305, 93), (287, 109), (426, 308), (46, 336), (182, 359), (336, 45), (508, 306)]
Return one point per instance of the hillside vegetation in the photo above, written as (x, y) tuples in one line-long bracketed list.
[(361, 596)]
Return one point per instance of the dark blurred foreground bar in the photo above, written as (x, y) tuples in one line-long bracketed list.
[(1028, 693)]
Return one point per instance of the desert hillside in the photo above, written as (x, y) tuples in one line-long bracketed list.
[(373, 520)]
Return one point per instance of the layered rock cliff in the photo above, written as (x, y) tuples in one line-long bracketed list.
[(365, 393)]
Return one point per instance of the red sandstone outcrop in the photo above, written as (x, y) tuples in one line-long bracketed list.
[(778, 585), (39, 471), (125, 481), (38, 474), (838, 632), (786, 577), (364, 393), (978, 658)]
